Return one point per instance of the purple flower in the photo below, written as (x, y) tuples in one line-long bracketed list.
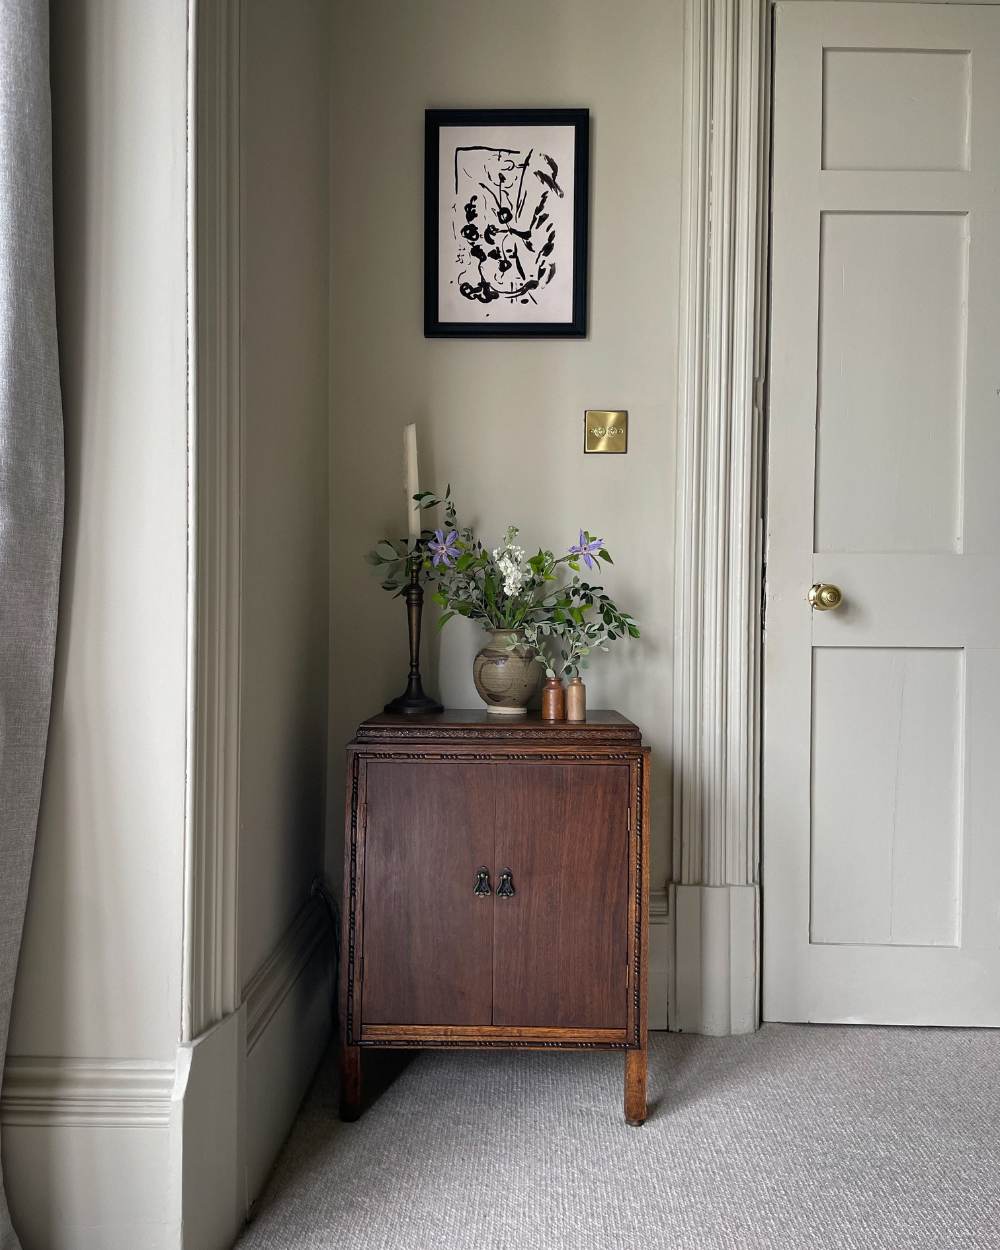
[(443, 547), (587, 549)]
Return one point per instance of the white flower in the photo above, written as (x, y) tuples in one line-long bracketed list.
[(509, 561)]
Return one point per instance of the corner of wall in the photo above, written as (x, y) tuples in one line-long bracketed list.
[(206, 1142), (290, 1020), (239, 1085)]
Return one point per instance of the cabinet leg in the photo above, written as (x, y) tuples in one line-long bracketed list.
[(635, 1087), (350, 1082)]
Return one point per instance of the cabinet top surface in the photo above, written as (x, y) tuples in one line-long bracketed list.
[(478, 723)]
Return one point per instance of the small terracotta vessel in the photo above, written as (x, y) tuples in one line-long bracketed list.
[(553, 700), (576, 700)]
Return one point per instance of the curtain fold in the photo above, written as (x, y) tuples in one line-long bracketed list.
[(31, 471)]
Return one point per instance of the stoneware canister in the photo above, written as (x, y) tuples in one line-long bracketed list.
[(553, 700), (576, 700), (506, 673)]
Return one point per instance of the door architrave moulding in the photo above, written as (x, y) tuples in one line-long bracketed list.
[(719, 520), (212, 988)]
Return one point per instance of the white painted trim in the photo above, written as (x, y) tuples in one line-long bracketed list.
[(211, 973), (774, 3), (659, 906), (719, 491), (209, 1126), (240, 1084), (44, 1092), (289, 1023), (207, 1150), (717, 986), (86, 1175), (660, 984), (270, 985)]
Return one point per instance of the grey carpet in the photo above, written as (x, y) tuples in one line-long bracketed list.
[(800, 1137)]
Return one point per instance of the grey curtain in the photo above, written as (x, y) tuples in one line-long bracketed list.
[(31, 471)]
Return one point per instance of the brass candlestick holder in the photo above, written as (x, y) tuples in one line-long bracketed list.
[(413, 701)]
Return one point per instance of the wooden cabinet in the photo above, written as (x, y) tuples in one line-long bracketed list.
[(495, 889)]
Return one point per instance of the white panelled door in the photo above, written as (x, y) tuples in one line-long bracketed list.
[(881, 817)]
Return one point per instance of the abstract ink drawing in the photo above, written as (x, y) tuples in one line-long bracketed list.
[(507, 241), (506, 229)]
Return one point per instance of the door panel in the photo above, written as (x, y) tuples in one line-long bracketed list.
[(560, 943), (886, 795), (889, 427), (428, 939), (896, 108), (881, 848)]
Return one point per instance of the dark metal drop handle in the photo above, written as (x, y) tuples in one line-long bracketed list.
[(505, 886), (482, 886)]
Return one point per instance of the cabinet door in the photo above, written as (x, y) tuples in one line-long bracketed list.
[(561, 940), (428, 938)]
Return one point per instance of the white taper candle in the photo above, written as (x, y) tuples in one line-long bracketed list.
[(412, 480)]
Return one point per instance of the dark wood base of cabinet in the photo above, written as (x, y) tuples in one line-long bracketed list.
[(365, 1077), (636, 1064), (351, 1104)]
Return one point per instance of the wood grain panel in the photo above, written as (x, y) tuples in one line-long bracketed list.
[(489, 1035), (428, 939), (561, 943)]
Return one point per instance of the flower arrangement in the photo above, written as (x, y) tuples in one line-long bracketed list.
[(561, 620)]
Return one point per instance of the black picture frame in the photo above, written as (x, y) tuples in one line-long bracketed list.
[(490, 321)]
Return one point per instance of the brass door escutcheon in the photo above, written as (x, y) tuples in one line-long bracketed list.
[(505, 886)]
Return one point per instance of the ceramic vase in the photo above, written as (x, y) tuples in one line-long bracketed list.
[(506, 673)]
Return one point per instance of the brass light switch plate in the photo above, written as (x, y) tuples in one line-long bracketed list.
[(605, 431)]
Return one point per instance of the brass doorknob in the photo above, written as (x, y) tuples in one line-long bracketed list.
[(824, 598)]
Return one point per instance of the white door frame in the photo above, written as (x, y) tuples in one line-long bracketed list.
[(715, 899), (212, 980)]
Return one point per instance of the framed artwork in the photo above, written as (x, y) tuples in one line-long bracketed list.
[(505, 228)]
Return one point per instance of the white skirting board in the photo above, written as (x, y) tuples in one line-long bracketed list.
[(206, 1138), (87, 1153), (717, 936), (246, 1078), (661, 959), (289, 1007), (113, 1154)]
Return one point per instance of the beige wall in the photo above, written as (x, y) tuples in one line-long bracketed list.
[(503, 421), (100, 972), (285, 241)]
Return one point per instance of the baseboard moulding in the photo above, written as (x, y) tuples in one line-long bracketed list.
[(716, 987)]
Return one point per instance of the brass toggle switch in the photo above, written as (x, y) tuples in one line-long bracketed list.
[(605, 431)]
